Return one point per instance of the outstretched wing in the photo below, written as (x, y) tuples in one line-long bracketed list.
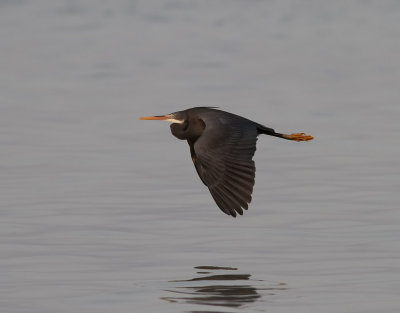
[(223, 159)]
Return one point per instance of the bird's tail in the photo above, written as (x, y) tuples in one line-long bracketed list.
[(296, 136)]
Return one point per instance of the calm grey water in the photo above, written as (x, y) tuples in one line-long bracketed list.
[(101, 212)]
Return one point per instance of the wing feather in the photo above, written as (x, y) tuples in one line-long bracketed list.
[(223, 159)]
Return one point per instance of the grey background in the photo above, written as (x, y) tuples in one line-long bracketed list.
[(101, 212)]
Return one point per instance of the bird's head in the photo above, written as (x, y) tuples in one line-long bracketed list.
[(179, 120)]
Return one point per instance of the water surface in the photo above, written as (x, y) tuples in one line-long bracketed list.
[(101, 212)]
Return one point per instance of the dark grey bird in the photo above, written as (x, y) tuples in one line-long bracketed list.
[(222, 147)]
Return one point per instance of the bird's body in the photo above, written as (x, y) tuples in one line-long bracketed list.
[(222, 146)]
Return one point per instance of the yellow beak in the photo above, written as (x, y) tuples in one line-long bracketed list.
[(157, 117)]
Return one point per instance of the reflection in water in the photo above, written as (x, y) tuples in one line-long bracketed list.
[(227, 289)]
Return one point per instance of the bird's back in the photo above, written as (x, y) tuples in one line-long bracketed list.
[(214, 115)]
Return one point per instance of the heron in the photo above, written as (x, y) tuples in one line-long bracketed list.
[(222, 146)]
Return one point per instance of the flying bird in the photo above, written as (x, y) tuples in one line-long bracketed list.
[(222, 147)]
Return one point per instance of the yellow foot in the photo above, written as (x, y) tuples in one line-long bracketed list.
[(298, 137)]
